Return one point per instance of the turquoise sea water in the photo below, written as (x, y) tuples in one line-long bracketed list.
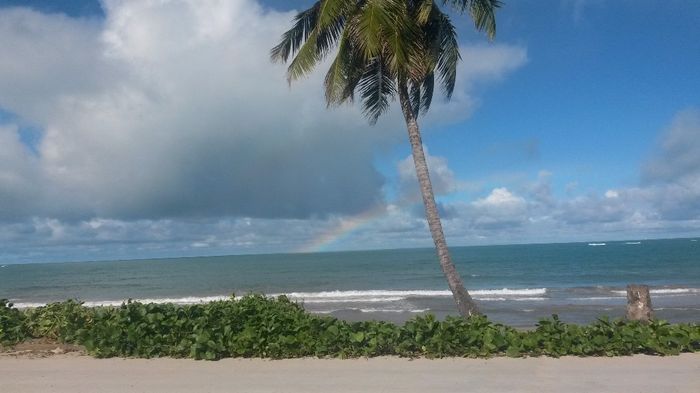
[(516, 284)]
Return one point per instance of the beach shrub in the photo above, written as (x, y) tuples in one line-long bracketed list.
[(58, 321), (610, 338), (257, 326), (473, 337), (12, 324)]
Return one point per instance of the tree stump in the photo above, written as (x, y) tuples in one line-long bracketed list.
[(639, 303)]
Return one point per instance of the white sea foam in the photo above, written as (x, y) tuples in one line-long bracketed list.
[(517, 299), (677, 308), (115, 303), (369, 294), (349, 299), (666, 291), (510, 292), (373, 310), (179, 300), (675, 290), (381, 295), (354, 296), (530, 299), (393, 310), (596, 244), (596, 298), (27, 305), (633, 242)]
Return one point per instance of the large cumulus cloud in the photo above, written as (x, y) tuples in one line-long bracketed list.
[(173, 109), (165, 127)]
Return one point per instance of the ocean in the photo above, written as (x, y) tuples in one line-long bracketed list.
[(513, 284)]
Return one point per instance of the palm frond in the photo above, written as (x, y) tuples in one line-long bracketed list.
[(421, 94), (329, 35), (377, 87), (403, 46), (318, 44), (448, 52), (423, 10), (354, 72), (293, 38), (336, 80), (414, 94), (381, 45), (482, 12), (427, 89), (375, 19), (305, 59), (330, 10)]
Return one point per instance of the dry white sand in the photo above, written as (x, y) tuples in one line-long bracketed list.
[(76, 374)]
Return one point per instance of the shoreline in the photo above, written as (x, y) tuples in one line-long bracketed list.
[(672, 304), (77, 374)]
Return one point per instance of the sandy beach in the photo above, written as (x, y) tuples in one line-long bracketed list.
[(77, 374)]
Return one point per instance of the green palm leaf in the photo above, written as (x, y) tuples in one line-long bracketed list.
[(483, 13), (291, 41), (427, 92), (414, 39), (448, 52), (377, 88), (375, 20)]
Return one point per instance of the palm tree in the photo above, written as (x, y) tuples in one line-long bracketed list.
[(384, 49)]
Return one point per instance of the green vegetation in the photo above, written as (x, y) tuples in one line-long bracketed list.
[(256, 326)]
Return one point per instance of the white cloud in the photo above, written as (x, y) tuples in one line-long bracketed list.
[(501, 208), (500, 198), (18, 175), (167, 131), (441, 176), (612, 194), (172, 109), (48, 58)]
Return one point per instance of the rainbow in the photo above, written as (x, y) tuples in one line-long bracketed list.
[(343, 229)]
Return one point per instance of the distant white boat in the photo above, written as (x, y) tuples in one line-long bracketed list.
[(633, 242), (596, 244)]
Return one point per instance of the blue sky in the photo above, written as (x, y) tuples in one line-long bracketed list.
[(136, 129)]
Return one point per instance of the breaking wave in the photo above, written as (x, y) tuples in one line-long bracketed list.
[(354, 296), (381, 295)]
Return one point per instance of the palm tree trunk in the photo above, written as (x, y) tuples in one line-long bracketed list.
[(464, 301)]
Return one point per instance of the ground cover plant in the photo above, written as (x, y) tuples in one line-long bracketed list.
[(256, 326)]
